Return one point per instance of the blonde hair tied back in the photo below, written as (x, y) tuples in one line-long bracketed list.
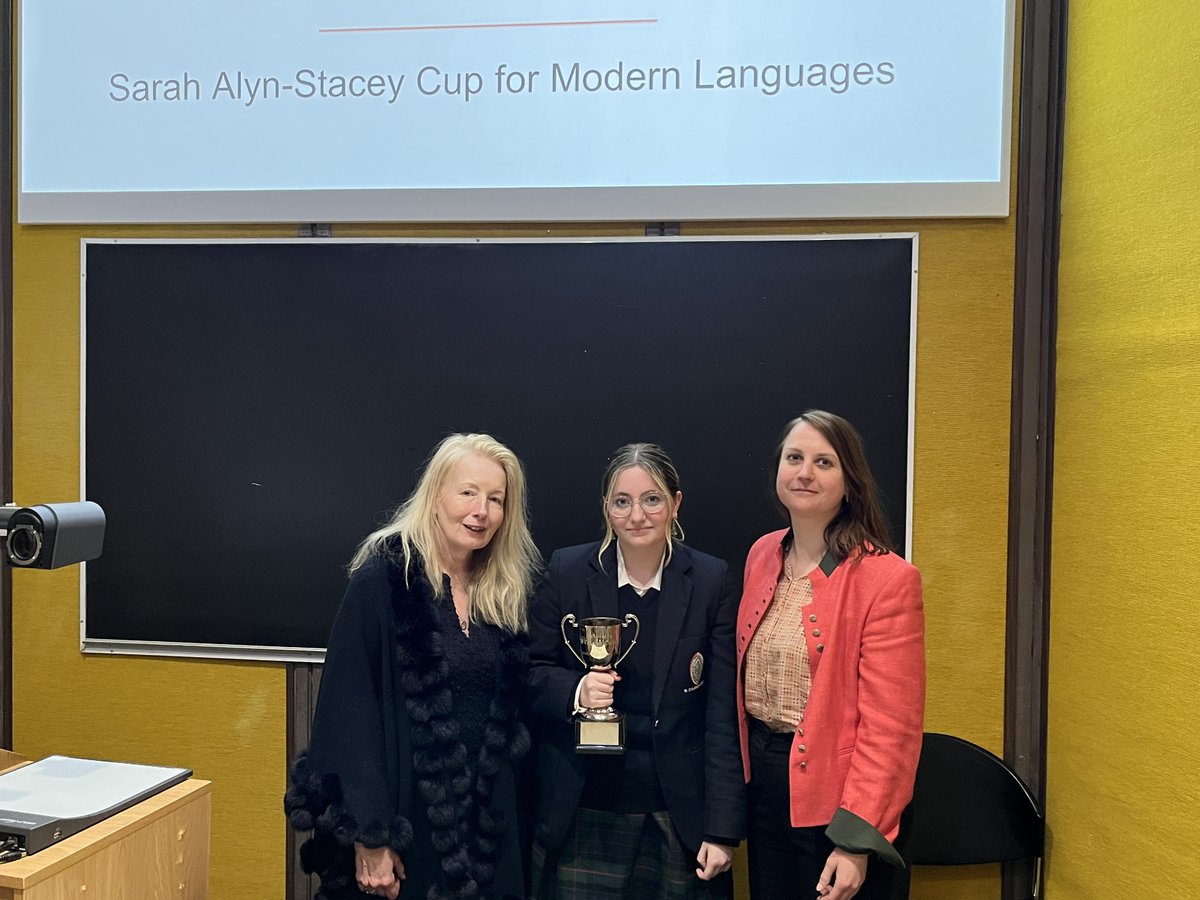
[(654, 461)]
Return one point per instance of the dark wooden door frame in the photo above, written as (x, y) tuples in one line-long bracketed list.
[(1031, 447), (303, 682)]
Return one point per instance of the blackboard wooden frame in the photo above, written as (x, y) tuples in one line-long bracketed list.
[(854, 331)]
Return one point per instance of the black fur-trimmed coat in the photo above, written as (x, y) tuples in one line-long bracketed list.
[(386, 767)]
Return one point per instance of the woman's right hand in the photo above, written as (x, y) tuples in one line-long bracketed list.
[(378, 870), (596, 690), (843, 875)]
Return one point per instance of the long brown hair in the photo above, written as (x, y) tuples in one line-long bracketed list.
[(860, 522)]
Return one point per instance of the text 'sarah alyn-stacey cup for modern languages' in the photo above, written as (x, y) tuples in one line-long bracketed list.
[(600, 730)]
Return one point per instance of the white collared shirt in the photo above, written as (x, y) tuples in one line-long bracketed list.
[(624, 579)]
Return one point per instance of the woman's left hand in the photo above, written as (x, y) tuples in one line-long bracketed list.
[(843, 875), (378, 870), (713, 859)]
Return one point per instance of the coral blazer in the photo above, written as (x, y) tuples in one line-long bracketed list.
[(857, 745)]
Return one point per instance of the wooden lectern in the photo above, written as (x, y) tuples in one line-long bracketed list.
[(156, 850)]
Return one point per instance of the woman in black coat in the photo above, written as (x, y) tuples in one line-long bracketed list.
[(409, 778), (662, 818)]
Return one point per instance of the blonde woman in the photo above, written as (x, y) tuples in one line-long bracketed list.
[(659, 820), (409, 778)]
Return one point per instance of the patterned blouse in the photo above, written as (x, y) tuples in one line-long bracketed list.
[(778, 678)]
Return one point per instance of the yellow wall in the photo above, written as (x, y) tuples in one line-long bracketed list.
[(1124, 738)]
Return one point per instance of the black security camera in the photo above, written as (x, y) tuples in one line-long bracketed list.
[(53, 535)]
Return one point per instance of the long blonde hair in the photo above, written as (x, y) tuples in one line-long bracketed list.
[(501, 572)]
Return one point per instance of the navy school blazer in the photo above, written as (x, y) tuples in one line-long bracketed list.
[(695, 735)]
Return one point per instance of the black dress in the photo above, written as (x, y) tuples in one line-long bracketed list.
[(414, 743)]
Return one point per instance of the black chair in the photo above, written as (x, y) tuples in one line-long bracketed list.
[(968, 808)]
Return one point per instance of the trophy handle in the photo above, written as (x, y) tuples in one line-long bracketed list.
[(629, 617), (562, 626)]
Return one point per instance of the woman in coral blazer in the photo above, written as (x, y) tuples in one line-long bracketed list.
[(831, 687)]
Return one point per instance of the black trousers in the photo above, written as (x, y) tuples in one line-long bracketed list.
[(786, 862)]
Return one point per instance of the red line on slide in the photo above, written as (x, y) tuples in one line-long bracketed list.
[(376, 28)]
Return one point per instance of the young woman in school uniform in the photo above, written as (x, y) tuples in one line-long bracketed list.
[(661, 819)]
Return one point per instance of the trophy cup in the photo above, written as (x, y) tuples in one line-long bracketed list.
[(600, 730)]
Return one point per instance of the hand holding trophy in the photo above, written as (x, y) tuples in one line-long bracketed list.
[(600, 730)]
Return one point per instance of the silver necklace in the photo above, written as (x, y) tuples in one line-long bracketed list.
[(464, 623)]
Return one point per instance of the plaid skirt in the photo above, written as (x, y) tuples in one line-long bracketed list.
[(622, 856)]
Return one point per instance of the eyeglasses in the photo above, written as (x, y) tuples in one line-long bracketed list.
[(621, 506)]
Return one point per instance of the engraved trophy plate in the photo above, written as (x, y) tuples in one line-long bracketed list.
[(600, 730)]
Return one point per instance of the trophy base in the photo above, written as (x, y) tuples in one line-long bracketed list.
[(600, 737)]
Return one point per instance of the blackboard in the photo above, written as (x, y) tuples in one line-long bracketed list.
[(253, 409)]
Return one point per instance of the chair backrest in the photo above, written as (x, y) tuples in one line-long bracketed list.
[(968, 808)]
